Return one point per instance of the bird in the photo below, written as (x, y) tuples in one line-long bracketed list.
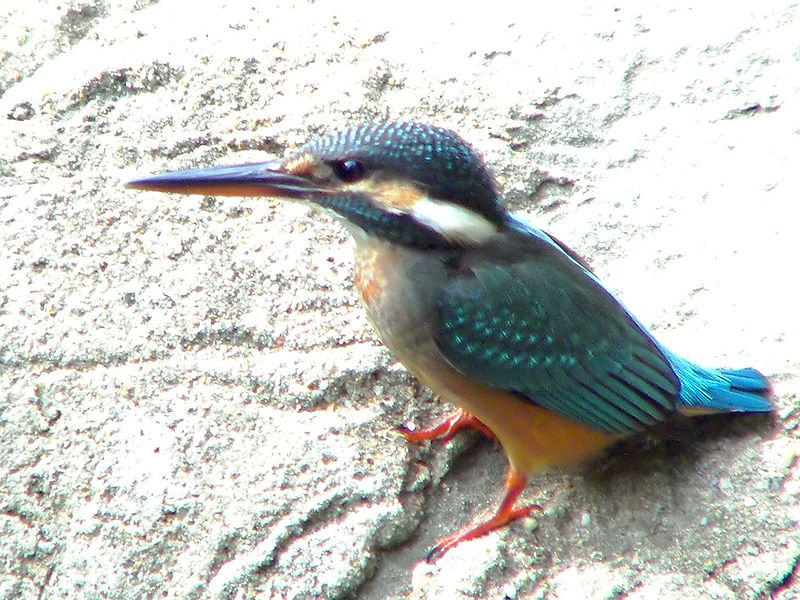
[(497, 317)]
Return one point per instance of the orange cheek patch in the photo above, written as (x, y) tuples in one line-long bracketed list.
[(302, 166), (393, 194)]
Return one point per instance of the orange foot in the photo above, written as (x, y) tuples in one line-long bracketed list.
[(447, 429), (506, 513)]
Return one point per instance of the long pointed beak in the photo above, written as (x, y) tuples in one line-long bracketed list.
[(255, 179)]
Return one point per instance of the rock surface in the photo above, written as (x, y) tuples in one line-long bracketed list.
[(193, 403)]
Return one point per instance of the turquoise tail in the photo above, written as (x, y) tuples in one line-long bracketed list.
[(723, 390)]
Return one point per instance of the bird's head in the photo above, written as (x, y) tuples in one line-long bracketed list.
[(408, 183)]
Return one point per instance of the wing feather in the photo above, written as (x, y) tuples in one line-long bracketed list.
[(543, 326)]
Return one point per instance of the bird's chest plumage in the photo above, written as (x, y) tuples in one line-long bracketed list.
[(398, 287)]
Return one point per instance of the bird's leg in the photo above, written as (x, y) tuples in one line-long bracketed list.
[(506, 513), (447, 429)]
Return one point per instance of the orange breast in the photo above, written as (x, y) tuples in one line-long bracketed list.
[(369, 285)]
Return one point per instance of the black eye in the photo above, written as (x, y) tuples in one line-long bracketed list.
[(349, 170)]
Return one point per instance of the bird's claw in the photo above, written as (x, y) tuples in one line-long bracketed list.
[(447, 429), (501, 519)]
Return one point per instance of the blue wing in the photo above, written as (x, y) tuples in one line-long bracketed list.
[(533, 320)]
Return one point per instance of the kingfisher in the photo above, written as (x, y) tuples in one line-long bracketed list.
[(497, 317)]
